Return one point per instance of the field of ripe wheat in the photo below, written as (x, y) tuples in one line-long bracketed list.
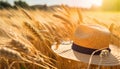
[(26, 36)]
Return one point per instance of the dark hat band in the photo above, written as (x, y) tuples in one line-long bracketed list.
[(85, 50)]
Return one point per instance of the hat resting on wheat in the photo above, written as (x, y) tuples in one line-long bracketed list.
[(90, 42)]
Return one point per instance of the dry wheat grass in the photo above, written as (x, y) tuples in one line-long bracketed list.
[(26, 37)]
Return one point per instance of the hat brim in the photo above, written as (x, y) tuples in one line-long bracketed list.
[(65, 50)]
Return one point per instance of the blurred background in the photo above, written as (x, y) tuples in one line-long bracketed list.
[(99, 5)]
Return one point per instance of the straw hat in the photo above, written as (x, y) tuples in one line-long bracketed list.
[(90, 43)]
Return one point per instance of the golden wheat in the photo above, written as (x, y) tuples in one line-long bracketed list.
[(29, 35)]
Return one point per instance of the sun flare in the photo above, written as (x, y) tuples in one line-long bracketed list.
[(86, 3), (97, 2)]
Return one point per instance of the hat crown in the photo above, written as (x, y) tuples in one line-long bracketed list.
[(92, 36)]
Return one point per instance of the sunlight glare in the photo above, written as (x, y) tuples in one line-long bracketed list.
[(97, 2), (86, 3)]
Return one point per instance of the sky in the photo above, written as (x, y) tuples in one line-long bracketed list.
[(78, 3)]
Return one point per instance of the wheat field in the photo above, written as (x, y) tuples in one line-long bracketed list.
[(27, 36)]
